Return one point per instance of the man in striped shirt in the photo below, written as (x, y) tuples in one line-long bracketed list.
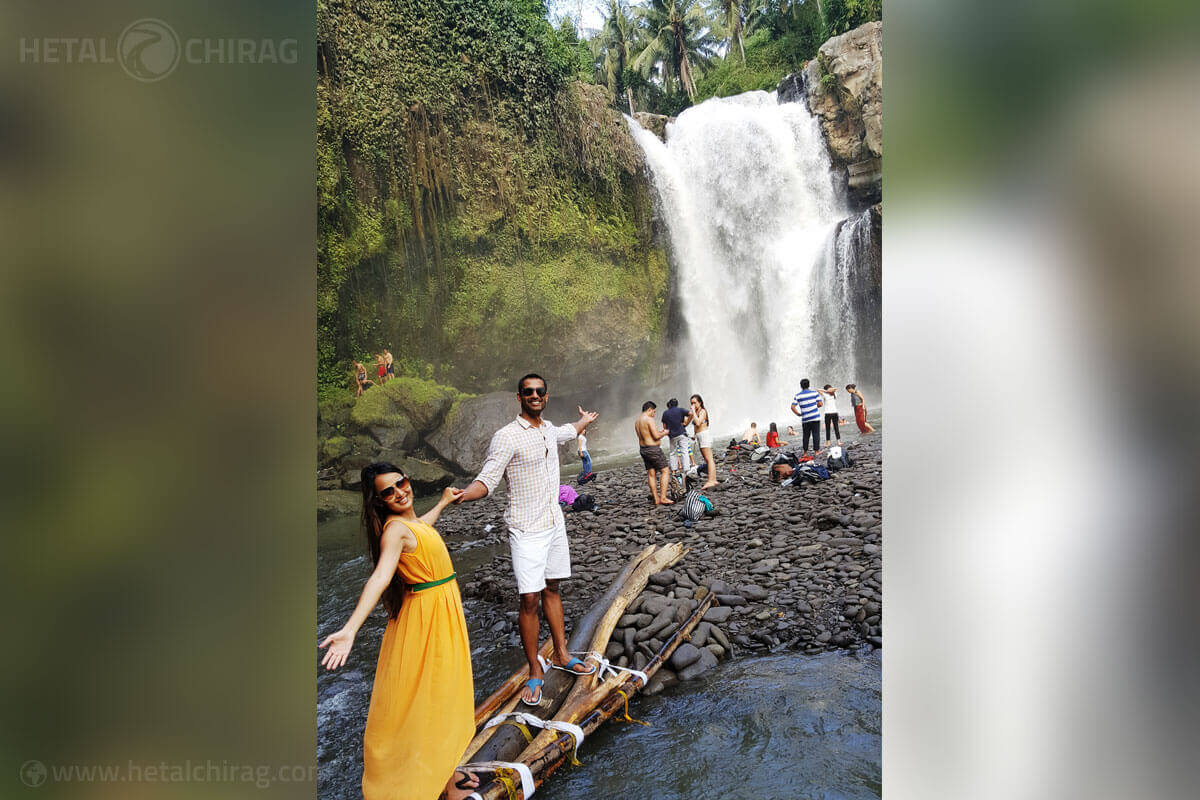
[(807, 406), (525, 453)]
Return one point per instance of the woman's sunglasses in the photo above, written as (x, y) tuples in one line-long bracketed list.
[(528, 391), (390, 491)]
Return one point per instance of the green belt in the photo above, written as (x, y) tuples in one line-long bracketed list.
[(420, 587)]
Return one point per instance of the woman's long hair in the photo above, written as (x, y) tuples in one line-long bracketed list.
[(374, 515), (773, 428), (700, 400)]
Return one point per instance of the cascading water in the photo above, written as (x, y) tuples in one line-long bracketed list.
[(846, 324), (745, 188)]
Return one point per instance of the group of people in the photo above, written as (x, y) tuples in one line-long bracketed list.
[(674, 425), (811, 404), (421, 716), (384, 365)]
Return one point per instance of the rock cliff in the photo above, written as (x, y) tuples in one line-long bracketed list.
[(843, 87)]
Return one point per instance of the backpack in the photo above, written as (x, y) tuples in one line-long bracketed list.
[(760, 453), (566, 495), (694, 506), (584, 502), (841, 460)]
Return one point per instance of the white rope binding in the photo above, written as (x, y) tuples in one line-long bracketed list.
[(537, 722), (527, 785), (604, 665)]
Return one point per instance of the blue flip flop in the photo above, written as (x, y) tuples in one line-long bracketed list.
[(536, 685), (569, 667)]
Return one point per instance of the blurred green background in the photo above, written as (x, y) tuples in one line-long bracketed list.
[(157, 412)]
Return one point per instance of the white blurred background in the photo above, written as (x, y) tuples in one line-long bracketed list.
[(1041, 350)]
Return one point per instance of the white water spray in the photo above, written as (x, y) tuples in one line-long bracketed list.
[(745, 188)]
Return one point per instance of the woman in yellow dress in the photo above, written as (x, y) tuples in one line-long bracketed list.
[(422, 713)]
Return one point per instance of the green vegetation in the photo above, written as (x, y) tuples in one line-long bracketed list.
[(475, 199), (665, 55)]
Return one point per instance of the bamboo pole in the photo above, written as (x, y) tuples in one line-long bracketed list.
[(549, 757), (662, 559), (494, 744)]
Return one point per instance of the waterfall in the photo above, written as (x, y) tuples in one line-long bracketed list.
[(745, 189), (846, 324)]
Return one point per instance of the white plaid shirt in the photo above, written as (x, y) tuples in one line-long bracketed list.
[(527, 458)]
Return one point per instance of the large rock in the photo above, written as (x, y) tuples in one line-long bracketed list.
[(844, 89), (425, 477), (466, 431), (655, 123), (338, 502)]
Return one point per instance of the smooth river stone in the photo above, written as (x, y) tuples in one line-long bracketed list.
[(684, 656), (718, 615)]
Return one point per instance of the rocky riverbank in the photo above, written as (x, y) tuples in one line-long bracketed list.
[(792, 568)]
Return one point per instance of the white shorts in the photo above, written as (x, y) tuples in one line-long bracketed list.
[(704, 438), (539, 556)]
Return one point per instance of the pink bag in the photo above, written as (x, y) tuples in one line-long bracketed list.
[(566, 494)]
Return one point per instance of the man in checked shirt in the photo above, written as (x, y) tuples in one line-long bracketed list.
[(525, 453)]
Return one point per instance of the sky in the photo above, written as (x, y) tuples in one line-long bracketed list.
[(588, 12)]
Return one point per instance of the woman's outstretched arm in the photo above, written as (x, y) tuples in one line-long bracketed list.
[(339, 643), (449, 495)]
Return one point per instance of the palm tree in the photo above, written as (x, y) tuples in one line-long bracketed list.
[(679, 37), (618, 40), (732, 16)]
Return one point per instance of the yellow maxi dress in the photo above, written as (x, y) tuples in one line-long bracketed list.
[(422, 713)]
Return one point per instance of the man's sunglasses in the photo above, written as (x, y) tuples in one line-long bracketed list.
[(390, 491), (528, 391)]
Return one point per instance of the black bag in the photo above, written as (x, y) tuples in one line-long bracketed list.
[(693, 507), (584, 502), (842, 462)]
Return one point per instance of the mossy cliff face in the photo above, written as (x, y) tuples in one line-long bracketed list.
[(481, 212)]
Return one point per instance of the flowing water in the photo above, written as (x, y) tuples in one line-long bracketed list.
[(771, 728), (752, 209)]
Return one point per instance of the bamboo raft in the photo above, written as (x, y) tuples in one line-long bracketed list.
[(510, 756)]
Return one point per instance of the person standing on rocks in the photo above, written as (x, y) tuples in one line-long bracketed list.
[(381, 366), (525, 453), (649, 435), (829, 406), (860, 408), (807, 406), (704, 438), (676, 420)]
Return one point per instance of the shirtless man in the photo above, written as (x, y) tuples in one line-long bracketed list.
[(389, 362), (382, 367), (649, 435)]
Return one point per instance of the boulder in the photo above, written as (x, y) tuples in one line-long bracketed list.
[(706, 662), (337, 502), (655, 123), (465, 432), (684, 656), (425, 477)]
